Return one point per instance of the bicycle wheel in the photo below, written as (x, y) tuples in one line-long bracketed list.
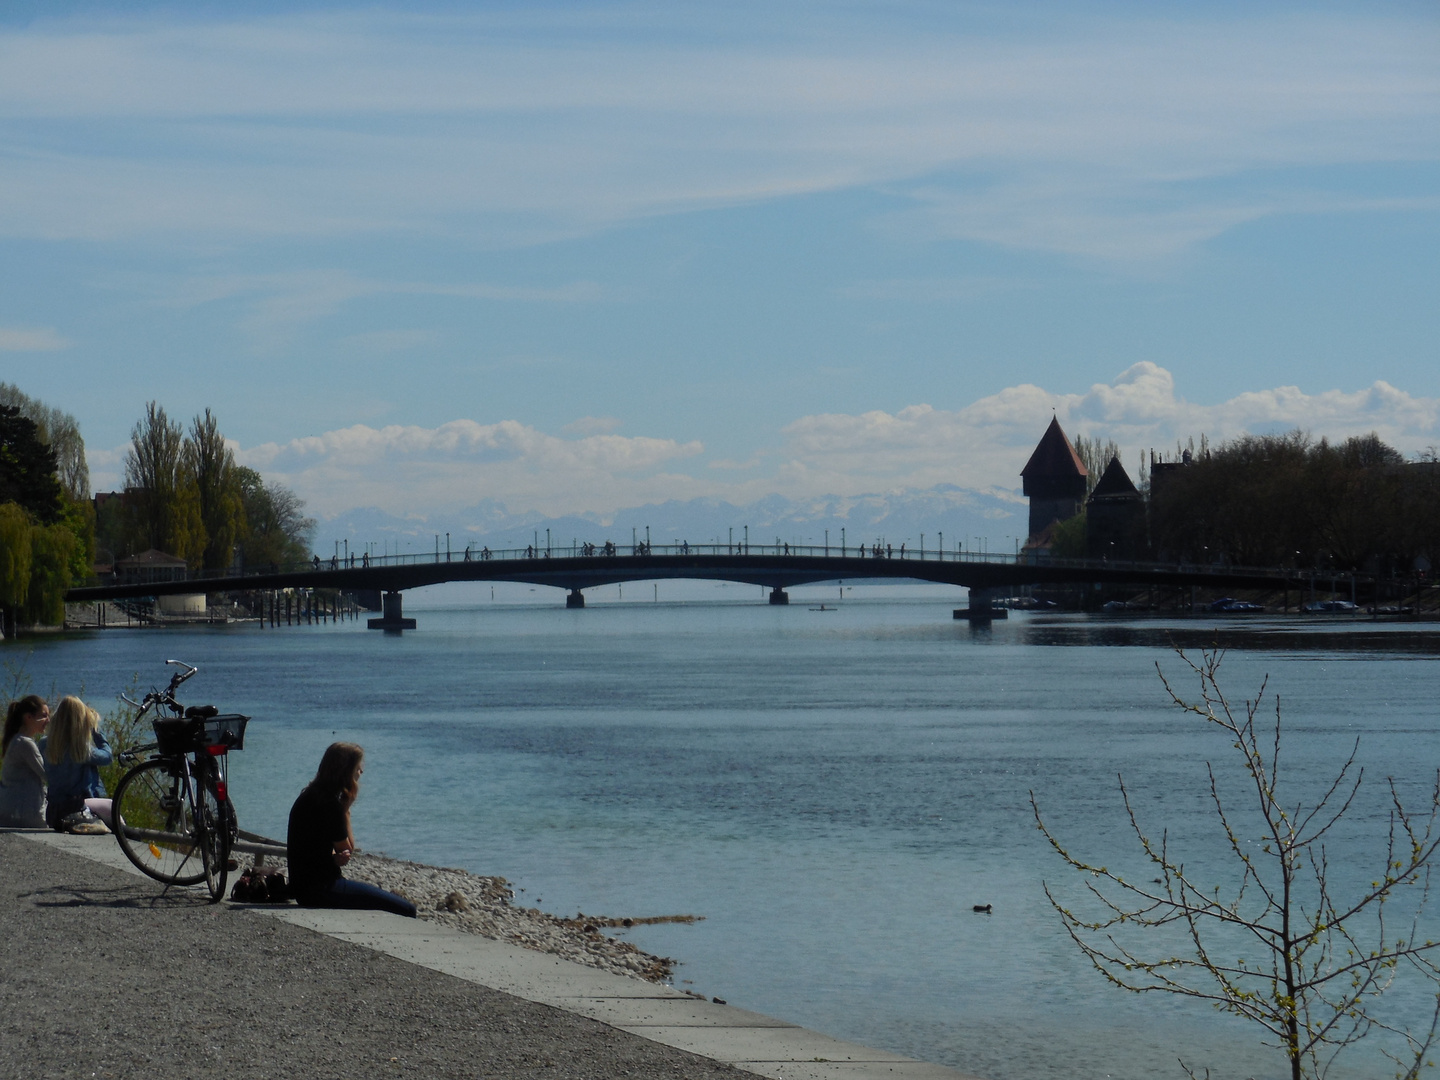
[(153, 819), (213, 833)]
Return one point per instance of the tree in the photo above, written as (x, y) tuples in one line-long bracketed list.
[(1323, 961), (217, 489), (161, 500), (277, 531), (1095, 456), (59, 431), (52, 550), (14, 563), (1067, 538), (27, 467)]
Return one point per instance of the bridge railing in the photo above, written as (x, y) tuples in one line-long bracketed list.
[(880, 552)]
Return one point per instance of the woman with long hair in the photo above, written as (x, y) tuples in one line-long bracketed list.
[(22, 777), (74, 751), (320, 840)]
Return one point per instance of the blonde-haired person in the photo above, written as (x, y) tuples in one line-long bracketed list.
[(22, 777), (74, 751), (320, 840)]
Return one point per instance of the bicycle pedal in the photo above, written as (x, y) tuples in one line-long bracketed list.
[(169, 802)]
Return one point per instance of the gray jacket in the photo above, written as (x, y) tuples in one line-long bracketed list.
[(22, 785)]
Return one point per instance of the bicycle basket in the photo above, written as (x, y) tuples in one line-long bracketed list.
[(184, 735)]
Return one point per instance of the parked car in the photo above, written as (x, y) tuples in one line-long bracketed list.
[(1331, 606), (1230, 606)]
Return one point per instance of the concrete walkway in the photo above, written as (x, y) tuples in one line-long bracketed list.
[(657, 1013)]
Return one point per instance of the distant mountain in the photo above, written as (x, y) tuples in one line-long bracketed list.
[(994, 517)]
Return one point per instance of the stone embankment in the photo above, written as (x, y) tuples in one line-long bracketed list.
[(485, 906)]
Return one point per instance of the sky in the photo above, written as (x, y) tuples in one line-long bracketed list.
[(575, 257)]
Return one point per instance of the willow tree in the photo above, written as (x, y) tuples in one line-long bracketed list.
[(220, 501), (14, 563), (162, 503), (1281, 945)]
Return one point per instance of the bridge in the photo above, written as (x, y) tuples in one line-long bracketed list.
[(775, 566)]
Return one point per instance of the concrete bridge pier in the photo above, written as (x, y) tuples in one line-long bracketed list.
[(779, 596), (982, 607), (575, 599), (391, 617)]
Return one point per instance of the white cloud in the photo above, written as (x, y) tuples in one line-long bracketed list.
[(31, 339), (1088, 133), (986, 443), (462, 462), (981, 446)]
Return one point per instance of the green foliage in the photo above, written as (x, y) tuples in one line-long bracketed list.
[(162, 500), (277, 531), (79, 519), (124, 731), (217, 487), (52, 550), (1279, 945), (15, 555), (1067, 538), (27, 467), (59, 431)]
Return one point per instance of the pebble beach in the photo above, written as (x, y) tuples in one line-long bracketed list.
[(485, 906)]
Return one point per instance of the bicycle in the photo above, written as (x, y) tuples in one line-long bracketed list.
[(177, 803)]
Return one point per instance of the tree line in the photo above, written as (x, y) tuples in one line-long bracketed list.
[(46, 521), (184, 495), (1288, 500), (1282, 500)]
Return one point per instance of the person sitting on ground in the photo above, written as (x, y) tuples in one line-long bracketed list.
[(320, 840), (74, 750), (22, 777)]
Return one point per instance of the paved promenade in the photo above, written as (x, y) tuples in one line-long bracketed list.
[(105, 977)]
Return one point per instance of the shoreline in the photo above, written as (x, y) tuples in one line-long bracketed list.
[(484, 906)]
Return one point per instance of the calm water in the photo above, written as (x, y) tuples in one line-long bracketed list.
[(833, 791)]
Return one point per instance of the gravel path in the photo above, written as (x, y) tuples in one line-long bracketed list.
[(104, 977)]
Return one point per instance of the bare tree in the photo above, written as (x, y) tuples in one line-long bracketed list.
[(1279, 948)]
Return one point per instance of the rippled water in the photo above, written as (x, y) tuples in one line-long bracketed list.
[(833, 791)]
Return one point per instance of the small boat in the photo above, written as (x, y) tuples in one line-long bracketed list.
[(823, 607)]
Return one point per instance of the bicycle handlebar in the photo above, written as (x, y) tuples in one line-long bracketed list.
[(163, 697)]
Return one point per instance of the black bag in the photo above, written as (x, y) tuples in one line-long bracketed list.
[(260, 885), (57, 810)]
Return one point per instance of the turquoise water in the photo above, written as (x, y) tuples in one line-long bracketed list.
[(833, 791)]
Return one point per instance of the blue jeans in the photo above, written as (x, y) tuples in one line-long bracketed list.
[(359, 896)]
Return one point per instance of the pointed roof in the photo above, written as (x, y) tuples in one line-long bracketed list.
[(1054, 456), (1115, 482)]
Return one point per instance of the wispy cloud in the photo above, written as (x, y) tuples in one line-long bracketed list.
[(31, 339), (1104, 135)]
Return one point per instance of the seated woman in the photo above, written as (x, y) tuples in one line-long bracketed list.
[(320, 841), (74, 750), (22, 777)]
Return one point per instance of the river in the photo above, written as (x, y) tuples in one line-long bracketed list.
[(832, 790)]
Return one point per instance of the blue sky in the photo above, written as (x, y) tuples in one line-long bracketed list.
[(576, 257)]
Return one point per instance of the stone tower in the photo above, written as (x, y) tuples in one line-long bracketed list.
[(1054, 481), (1114, 516)]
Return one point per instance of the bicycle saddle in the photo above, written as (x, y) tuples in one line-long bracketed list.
[(201, 712)]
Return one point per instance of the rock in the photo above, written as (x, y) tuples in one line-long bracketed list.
[(455, 902)]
